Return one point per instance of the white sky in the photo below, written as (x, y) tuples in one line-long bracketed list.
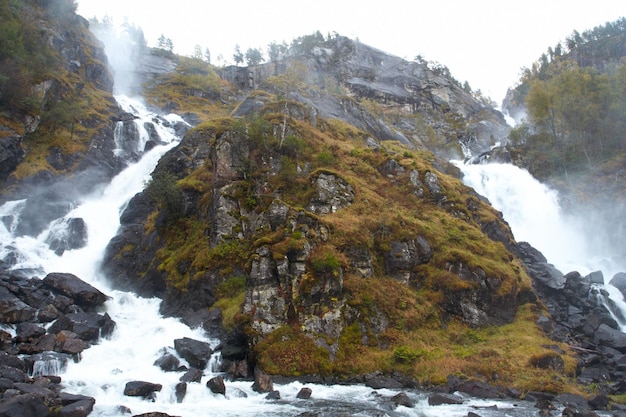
[(484, 42)]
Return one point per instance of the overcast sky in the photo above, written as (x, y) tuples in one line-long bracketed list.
[(484, 42)]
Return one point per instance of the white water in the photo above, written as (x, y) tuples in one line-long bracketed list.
[(535, 216), (533, 211)]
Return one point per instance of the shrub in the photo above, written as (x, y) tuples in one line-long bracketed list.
[(163, 191), (406, 355)]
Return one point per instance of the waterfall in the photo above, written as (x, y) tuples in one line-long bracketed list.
[(533, 211), (535, 216)]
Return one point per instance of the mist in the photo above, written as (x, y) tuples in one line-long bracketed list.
[(574, 239), (125, 47)]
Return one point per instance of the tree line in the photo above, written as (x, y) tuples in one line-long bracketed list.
[(576, 103)]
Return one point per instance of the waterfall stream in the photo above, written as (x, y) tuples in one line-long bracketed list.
[(535, 216)]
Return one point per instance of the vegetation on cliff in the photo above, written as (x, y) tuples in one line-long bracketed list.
[(396, 274), (575, 97), (55, 89)]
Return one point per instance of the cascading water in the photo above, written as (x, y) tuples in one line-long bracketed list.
[(534, 214)]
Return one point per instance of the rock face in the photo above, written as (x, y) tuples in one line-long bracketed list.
[(407, 87)]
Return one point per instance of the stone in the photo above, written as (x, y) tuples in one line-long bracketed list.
[(304, 393), (28, 332), (24, 405), (12, 309), (168, 363), (196, 352), (607, 336), (192, 375), (332, 194), (87, 326), (439, 398), (216, 385), (80, 408), (273, 395), (83, 294), (402, 399), (180, 390), (141, 389), (13, 374), (262, 382), (619, 282)]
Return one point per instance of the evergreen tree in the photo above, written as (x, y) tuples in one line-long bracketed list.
[(238, 55), (254, 56)]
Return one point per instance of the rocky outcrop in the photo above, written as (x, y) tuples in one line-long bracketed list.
[(582, 315), (406, 87), (54, 321)]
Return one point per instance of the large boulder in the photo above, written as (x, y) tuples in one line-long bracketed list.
[(25, 405), (83, 294), (87, 326), (141, 389), (216, 385), (196, 352)]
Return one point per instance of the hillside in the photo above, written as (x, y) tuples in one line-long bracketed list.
[(318, 223), (310, 218)]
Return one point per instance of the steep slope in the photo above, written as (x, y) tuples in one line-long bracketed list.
[(56, 108)]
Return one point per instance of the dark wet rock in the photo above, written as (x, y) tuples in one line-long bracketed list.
[(13, 374), (81, 408), (273, 395), (608, 336), (304, 393), (192, 375), (262, 382), (12, 361), (168, 363), (28, 332), (180, 390), (234, 346), (439, 398), (477, 389), (216, 385), (539, 268), (24, 405), (141, 389), (599, 402), (14, 310), (83, 294), (196, 352), (237, 369), (402, 399), (88, 327)]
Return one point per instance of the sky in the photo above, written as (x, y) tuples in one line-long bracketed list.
[(483, 42)]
